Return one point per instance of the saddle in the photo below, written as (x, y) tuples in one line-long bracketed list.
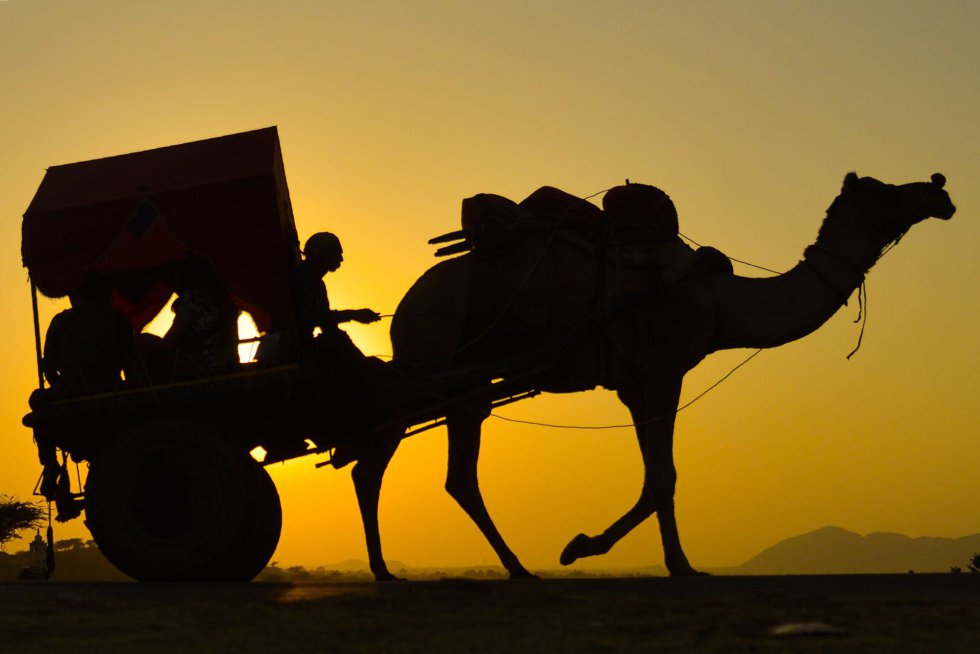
[(636, 227)]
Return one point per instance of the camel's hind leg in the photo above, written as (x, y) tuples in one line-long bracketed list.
[(462, 483), (653, 415), (582, 546)]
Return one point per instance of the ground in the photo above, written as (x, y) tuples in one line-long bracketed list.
[(914, 613)]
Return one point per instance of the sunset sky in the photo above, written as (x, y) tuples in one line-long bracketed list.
[(389, 113)]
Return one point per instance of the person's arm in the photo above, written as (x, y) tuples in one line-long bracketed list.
[(314, 293), (182, 319), (364, 316), (327, 317), (184, 314)]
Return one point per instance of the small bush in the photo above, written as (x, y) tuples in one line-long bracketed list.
[(17, 516)]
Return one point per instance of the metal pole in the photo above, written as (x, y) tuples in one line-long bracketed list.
[(37, 336)]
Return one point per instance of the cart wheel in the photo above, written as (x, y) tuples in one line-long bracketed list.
[(169, 500), (260, 535)]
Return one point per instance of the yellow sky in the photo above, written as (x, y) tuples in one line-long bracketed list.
[(748, 114)]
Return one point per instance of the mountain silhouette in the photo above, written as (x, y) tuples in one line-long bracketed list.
[(832, 550)]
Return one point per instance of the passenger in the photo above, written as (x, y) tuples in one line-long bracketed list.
[(205, 322), (89, 345)]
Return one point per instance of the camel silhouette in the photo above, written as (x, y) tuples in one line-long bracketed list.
[(475, 308)]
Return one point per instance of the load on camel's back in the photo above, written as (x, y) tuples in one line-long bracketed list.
[(636, 227)]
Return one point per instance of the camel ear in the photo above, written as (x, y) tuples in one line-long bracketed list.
[(850, 180)]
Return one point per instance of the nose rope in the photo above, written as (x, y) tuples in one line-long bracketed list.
[(862, 316)]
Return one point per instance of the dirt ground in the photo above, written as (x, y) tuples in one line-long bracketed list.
[(913, 613)]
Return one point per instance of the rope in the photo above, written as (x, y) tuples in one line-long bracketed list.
[(862, 316), (634, 424), (744, 263), (534, 423)]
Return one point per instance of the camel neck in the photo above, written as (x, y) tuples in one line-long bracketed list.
[(838, 273), (768, 312)]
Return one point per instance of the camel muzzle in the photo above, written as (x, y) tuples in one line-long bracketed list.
[(939, 181)]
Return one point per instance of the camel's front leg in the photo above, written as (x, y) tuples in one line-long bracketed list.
[(462, 484), (367, 475)]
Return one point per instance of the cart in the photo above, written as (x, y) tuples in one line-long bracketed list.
[(172, 491)]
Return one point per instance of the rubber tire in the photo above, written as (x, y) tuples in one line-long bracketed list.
[(260, 537), (169, 500)]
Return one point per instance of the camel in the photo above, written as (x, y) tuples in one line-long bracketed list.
[(475, 308)]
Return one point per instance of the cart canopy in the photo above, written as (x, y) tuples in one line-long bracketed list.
[(133, 217)]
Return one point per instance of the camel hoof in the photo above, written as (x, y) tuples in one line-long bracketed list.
[(386, 577), (523, 574), (576, 549)]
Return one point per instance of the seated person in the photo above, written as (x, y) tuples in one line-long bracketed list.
[(89, 345), (205, 317), (322, 254), (347, 375), (203, 338)]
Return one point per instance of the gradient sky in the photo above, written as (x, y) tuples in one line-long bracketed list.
[(747, 113)]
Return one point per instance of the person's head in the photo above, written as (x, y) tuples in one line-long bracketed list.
[(324, 252), (196, 272), (93, 291)]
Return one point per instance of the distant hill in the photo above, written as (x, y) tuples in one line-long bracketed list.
[(832, 550)]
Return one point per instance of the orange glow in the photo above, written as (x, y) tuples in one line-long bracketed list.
[(747, 114)]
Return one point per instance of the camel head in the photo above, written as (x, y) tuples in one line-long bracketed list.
[(869, 215)]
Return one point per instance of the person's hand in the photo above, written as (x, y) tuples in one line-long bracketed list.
[(365, 316)]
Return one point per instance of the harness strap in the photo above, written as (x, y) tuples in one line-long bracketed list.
[(813, 268)]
